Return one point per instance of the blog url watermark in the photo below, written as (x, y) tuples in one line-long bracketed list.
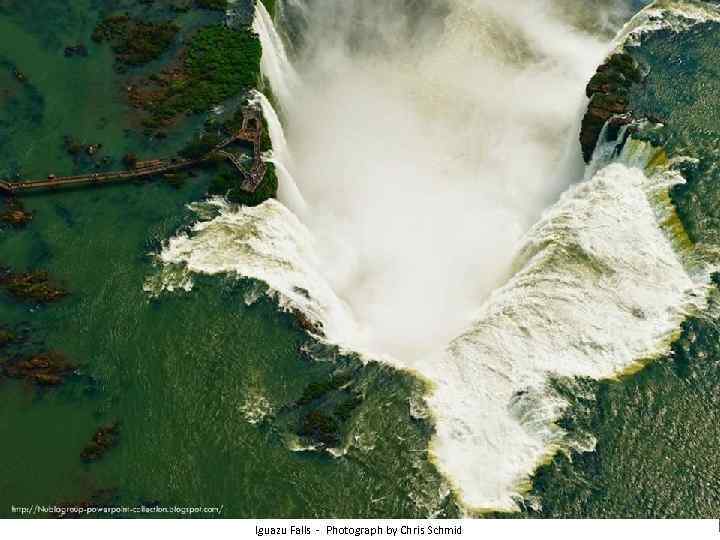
[(53, 510)]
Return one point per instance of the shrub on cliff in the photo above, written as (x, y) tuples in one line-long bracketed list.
[(228, 185), (199, 147), (216, 5)]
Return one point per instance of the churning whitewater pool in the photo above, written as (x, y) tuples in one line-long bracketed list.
[(433, 215)]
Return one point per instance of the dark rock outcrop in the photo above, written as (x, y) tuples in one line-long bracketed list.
[(326, 408), (33, 286), (76, 50), (104, 439), (308, 324), (75, 148), (322, 428), (6, 337), (46, 369), (14, 213), (20, 76), (135, 41), (130, 161), (608, 93)]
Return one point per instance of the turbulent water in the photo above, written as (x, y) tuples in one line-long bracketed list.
[(421, 143)]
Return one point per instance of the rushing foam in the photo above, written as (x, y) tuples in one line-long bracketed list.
[(424, 151), (274, 62), (596, 292), (288, 190), (675, 15)]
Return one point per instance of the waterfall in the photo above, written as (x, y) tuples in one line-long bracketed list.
[(274, 62), (426, 145), (288, 191), (281, 75)]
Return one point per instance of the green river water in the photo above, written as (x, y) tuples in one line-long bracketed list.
[(190, 375), (181, 371)]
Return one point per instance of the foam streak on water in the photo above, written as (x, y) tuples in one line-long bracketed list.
[(422, 171)]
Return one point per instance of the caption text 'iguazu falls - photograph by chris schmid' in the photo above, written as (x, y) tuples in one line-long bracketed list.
[(360, 268)]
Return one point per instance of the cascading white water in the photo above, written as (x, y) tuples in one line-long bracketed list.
[(288, 191), (274, 62), (425, 144)]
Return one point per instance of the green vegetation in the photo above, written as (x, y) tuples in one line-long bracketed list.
[(266, 190), (199, 147), (135, 42), (265, 141), (218, 63), (216, 5), (327, 421), (221, 62), (227, 184), (235, 123)]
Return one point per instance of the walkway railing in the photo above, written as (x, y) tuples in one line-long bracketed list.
[(251, 179)]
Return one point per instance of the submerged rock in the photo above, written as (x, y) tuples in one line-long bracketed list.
[(34, 286), (20, 76), (14, 213), (322, 428), (92, 149), (45, 369), (6, 337), (104, 439), (135, 41), (76, 50)]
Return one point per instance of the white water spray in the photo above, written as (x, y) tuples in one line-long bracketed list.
[(425, 145), (274, 63), (288, 191)]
